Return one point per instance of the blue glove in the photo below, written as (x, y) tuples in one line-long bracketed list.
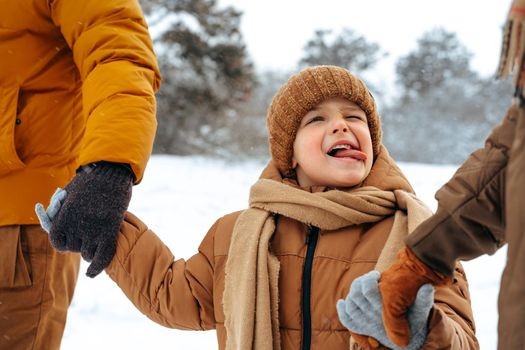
[(361, 312), (46, 217)]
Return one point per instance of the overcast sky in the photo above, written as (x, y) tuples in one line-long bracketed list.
[(276, 30)]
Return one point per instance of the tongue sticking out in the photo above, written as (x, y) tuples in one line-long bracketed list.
[(350, 153)]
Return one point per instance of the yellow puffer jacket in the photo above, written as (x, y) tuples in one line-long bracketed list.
[(77, 85)]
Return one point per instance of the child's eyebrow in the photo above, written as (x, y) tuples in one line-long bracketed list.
[(353, 108), (315, 109)]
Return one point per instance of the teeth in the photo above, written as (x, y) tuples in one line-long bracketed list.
[(334, 149), (340, 147)]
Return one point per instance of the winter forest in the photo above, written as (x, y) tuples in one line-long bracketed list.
[(213, 98)]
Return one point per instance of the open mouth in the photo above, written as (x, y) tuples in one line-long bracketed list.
[(346, 151)]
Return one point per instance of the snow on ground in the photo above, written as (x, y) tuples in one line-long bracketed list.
[(180, 198)]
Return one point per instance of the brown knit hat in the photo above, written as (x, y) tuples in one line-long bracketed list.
[(302, 92)]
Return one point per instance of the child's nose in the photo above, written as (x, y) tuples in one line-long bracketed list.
[(339, 126)]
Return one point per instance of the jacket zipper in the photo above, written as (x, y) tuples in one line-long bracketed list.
[(311, 242)]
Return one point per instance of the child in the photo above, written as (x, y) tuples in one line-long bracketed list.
[(327, 206)]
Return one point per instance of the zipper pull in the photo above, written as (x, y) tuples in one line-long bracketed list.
[(309, 233)]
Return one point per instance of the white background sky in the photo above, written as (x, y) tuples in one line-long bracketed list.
[(276, 30)]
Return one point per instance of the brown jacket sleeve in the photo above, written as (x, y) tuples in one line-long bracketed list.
[(173, 293), (469, 220), (451, 323)]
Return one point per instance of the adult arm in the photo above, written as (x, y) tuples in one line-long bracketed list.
[(113, 52), (469, 220)]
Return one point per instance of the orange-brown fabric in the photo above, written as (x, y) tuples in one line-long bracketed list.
[(365, 343), (398, 286), (188, 294), (252, 268), (479, 210), (77, 86), (36, 288)]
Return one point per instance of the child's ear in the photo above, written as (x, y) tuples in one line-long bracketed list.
[(294, 163)]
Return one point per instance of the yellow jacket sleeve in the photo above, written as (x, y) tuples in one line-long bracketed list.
[(113, 52)]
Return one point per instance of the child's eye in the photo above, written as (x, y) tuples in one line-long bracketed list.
[(317, 118), (354, 117)]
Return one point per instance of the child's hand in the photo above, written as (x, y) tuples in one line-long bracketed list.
[(361, 312), (46, 217), (399, 286)]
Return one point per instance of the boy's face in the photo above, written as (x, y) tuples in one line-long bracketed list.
[(333, 146)]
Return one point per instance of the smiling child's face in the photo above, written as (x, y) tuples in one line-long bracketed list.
[(333, 146)]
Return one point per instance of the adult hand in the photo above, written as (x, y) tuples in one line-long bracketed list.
[(399, 285), (87, 218)]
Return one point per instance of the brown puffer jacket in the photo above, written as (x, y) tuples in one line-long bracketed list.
[(77, 85), (480, 209), (188, 294)]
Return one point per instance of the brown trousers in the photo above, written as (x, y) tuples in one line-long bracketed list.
[(36, 288)]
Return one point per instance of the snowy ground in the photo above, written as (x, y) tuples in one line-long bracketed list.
[(179, 199)]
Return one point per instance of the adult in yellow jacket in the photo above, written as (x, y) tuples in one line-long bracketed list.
[(77, 84)]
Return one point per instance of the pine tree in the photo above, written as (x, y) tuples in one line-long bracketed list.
[(444, 110), (205, 69), (346, 49)]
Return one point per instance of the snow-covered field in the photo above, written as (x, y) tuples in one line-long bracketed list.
[(180, 198)]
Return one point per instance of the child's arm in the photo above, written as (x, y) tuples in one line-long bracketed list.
[(175, 294), (451, 323)]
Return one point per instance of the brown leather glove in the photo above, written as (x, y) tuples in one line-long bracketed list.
[(367, 343), (398, 287)]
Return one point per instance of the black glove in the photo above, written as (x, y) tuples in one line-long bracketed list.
[(90, 217)]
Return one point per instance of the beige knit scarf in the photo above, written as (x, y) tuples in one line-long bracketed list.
[(513, 47), (250, 297)]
